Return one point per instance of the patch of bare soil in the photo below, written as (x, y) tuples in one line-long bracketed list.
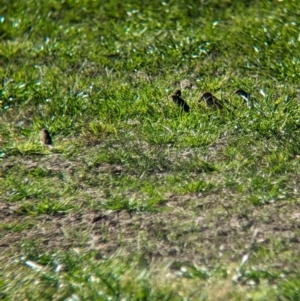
[(191, 229), (215, 228)]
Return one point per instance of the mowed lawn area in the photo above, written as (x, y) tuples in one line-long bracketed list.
[(146, 193)]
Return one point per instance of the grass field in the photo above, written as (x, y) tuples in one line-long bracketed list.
[(138, 200)]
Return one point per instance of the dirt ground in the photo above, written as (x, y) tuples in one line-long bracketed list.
[(205, 234), (197, 228)]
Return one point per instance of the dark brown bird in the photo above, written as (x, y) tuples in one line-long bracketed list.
[(245, 96), (211, 100), (176, 97), (46, 138)]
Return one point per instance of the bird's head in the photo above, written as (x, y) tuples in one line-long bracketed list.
[(205, 96), (242, 93), (177, 93)]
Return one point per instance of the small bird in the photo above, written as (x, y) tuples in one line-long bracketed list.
[(186, 84), (46, 138), (245, 96), (211, 100), (176, 97)]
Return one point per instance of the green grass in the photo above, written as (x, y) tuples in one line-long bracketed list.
[(138, 200)]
